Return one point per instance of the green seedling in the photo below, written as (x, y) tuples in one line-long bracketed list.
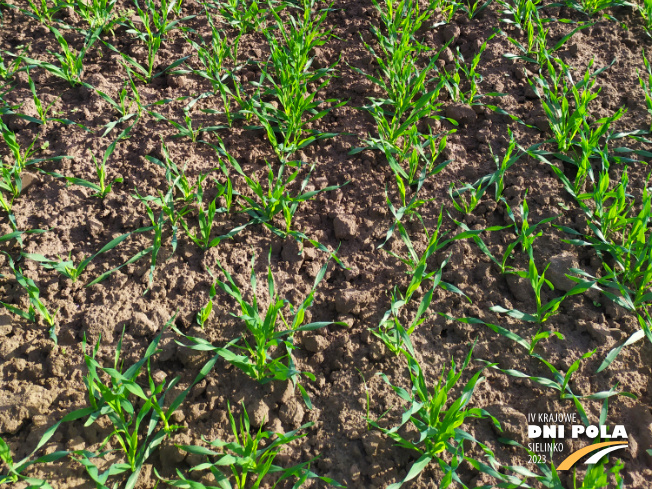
[(561, 381), (67, 267), (390, 329), (129, 408), (522, 12), (249, 458), (9, 68), (465, 90), (99, 13), (112, 399), (646, 84), (214, 54), (287, 78), (536, 48), (205, 312), (277, 199), (15, 469), (409, 96), (102, 188), (267, 348), (206, 217), (592, 7), (473, 8), (245, 15), (71, 63), (186, 128), (36, 304), (466, 197), (566, 102), (40, 10), (644, 8), (154, 24), (177, 177), (437, 423), (167, 216)]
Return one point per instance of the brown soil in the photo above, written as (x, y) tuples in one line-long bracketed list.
[(42, 382)]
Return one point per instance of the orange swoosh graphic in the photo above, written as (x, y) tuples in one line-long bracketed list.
[(575, 456)]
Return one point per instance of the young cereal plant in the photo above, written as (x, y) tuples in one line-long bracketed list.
[(186, 129), (277, 199), (287, 78), (184, 190), (438, 423), (473, 8), (215, 54), (644, 8), (400, 75), (246, 15), (592, 7), (390, 330), (129, 408), (566, 102), (71, 62), (36, 304), (102, 187), (155, 25), (646, 84), (465, 91), (67, 267), (267, 349), (99, 13), (521, 12), (249, 458), (40, 10), (205, 312), (497, 178), (205, 217)]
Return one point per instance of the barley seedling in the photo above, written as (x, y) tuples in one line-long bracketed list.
[(452, 81), (466, 197), (248, 457), (167, 216), (473, 8), (175, 176), (277, 199), (286, 78), (36, 304), (113, 399), (567, 115), (186, 129), (497, 178), (647, 84), (245, 15), (214, 54), (99, 13), (155, 25), (592, 7), (205, 217), (71, 63), (40, 10), (102, 188), (67, 267), (15, 469), (205, 312), (400, 74), (390, 329), (437, 423), (521, 12), (644, 7), (267, 349), (9, 68), (536, 49), (128, 105)]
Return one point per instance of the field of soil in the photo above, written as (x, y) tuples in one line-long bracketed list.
[(40, 381)]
